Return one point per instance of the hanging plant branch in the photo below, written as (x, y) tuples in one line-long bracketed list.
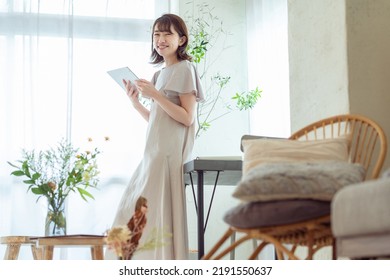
[(206, 32)]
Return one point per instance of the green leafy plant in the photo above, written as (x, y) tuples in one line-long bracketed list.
[(55, 173), (247, 100), (206, 30)]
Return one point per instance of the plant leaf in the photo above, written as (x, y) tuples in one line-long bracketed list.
[(36, 176), (37, 191), (18, 173), (25, 168), (13, 165), (29, 181), (84, 193)]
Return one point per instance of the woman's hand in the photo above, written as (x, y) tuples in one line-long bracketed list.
[(147, 88), (183, 113), (132, 92)]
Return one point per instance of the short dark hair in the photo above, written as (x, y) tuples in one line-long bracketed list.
[(164, 24)]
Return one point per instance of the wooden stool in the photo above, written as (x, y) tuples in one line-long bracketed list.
[(13, 247)]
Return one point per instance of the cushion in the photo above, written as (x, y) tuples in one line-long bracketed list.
[(362, 209), (260, 151), (300, 180), (274, 213)]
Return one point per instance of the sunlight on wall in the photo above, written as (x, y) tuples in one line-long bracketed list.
[(268, 67)]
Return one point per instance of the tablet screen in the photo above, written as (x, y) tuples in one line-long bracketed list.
[(123, 73)]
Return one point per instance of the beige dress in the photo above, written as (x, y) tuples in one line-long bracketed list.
[(159, 176)]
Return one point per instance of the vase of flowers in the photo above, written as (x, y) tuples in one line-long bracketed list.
[(54, 174)]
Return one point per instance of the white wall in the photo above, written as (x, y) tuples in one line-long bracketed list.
[(318, 60), (368, 47)]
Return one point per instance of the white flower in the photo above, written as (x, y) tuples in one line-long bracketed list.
[(117, 238), (79, 165), (86, 176)]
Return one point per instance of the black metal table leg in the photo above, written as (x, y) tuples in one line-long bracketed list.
[(232, 174), (200, 215)]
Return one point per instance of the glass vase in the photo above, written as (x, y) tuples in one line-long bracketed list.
[(55, 221)]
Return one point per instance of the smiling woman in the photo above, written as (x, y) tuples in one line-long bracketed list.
[(174, 91), (54, 59)]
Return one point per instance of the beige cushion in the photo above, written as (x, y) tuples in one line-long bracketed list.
[(362, 209), (300, 180), (260, 151)]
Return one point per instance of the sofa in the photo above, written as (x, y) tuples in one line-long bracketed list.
[(360, 215)]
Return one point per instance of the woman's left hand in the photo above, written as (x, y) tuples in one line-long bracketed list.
[(146, 88)]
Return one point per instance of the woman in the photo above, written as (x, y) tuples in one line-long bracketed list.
[(174, 91)]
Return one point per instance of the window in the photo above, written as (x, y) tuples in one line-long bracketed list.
[(53, 62)]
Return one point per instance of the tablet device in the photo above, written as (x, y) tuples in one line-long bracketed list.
[(122, 73)]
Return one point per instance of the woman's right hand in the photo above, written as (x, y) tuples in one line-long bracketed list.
[(131, 91)]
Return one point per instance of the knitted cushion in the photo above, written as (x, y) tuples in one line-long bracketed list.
[(301, 180)]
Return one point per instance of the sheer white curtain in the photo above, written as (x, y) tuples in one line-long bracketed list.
[(268, 66), (54, 55)]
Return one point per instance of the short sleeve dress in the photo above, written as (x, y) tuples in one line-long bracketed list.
[(159, 176)]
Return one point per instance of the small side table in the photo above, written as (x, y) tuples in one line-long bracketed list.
[(47, 244), (209, 171), (15, 242)]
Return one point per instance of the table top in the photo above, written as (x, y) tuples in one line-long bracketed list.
[(230, 170), (77, 240), (213, 164), (15, 239)]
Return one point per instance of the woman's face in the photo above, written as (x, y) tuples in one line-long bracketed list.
[(166, 43)]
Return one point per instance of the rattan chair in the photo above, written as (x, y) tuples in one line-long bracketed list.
[(368, 147)]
